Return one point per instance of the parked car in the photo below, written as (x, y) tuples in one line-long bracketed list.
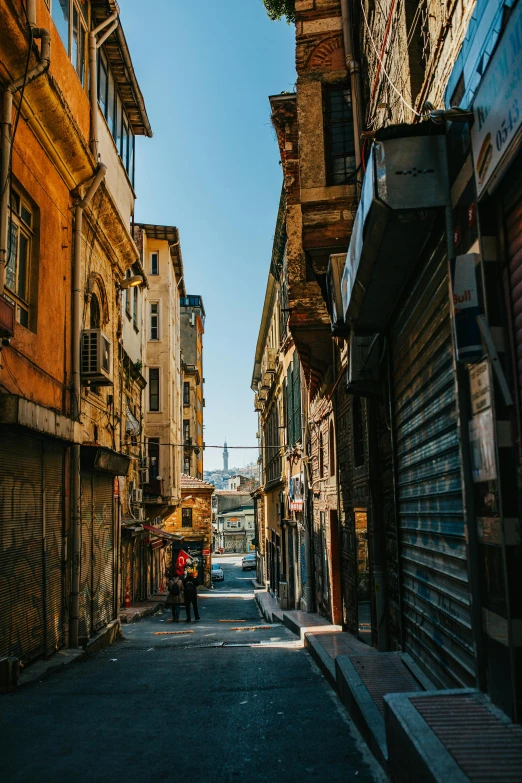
[(217, 573), (249, 561)]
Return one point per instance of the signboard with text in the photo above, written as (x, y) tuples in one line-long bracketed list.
[(498, 105)]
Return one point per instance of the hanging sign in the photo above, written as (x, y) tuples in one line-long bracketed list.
[(498, 105), (482, 442), (465, 307), (480, 386)]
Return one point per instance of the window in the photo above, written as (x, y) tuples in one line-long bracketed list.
[(70, 18), (293, 402), (135, 307), (128, 296), (154, 395), (186, 393), (186, 465), (186, 517), (154, 263), (112, 109), (358, 432), (331, 450), (339, 139), (154, 321), (153, 446), (95, 316), (321, 455), (272, 445), (18, 269), (186, 430)]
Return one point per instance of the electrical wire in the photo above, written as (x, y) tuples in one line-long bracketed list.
[(392, 85)]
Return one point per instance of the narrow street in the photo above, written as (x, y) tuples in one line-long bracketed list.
[(216, 704)]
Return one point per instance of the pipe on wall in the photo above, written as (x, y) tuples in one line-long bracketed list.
[(74, 618), (354, 70)]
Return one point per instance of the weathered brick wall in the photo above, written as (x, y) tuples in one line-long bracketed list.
[(416, 43)]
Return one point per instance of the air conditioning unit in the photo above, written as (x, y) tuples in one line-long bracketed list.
[(137, 496), (96, 358), (144, 475), (271, 360)]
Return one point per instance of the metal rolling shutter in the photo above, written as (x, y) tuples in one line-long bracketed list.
[(86, 556), (103, 550), (514, 251), (435, 598), (21, 551), (54, 547)]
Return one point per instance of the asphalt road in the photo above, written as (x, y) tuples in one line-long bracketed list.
[(216, 704)]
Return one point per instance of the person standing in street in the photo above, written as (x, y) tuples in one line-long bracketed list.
[(190, 587), (175, 597)]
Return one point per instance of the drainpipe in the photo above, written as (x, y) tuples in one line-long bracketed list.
[(94, 45), (75, 404), (6, 129), (354, 70)]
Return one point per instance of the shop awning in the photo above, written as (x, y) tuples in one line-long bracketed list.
[(163, 533), (404, 189)]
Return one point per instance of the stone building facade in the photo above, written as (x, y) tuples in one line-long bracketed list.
[(65, 247), (410, 442), (192, 521), (192, 326)]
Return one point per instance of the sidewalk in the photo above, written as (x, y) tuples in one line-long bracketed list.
[(138, 611), (417, 733)]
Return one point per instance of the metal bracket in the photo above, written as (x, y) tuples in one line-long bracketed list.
[(495, 361)]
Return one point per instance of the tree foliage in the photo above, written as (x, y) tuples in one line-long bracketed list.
[(276, 9)]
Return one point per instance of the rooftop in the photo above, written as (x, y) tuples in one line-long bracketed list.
[(191, 482), (118, 55)]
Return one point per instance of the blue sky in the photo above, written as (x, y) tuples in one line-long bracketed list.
[(206, 70)]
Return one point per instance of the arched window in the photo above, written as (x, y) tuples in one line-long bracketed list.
[(331, 450), (95, 317)]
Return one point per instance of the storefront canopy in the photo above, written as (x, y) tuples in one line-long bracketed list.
[(163, 533)]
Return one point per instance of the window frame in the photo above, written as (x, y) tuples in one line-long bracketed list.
[(158, 324), (188, 515), (154, 468), (156, 394), (135, 307), (26, 230), (186, 392), (156, 254), (331, 123)]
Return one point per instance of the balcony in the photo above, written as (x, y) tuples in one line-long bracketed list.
[(7, 318)]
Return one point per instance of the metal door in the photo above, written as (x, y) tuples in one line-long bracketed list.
[(103, 550), (54, 554), (22, 593), (86, 569), (435, 596)]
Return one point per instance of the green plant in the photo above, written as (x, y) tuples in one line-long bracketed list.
[(276, 9)]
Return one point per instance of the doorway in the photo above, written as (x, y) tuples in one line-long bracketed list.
[(364, 611)]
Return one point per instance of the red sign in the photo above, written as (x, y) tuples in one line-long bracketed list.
[(205, 552)]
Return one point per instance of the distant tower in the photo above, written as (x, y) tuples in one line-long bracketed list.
[(225, 458)]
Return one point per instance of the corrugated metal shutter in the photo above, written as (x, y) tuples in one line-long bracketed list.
[(103, 550), (54, 547), (435, 597), (21, 546), (86, 574), (514, 250)]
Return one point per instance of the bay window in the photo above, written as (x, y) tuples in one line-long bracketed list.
[(71, 19), (112, 109)]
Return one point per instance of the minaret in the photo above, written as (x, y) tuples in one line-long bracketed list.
[(225, 458)]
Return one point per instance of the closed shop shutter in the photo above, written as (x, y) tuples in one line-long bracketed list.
[(86, 571), (22, 592), (55, 604), (103, 550), (514, 251), (435, 598)]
